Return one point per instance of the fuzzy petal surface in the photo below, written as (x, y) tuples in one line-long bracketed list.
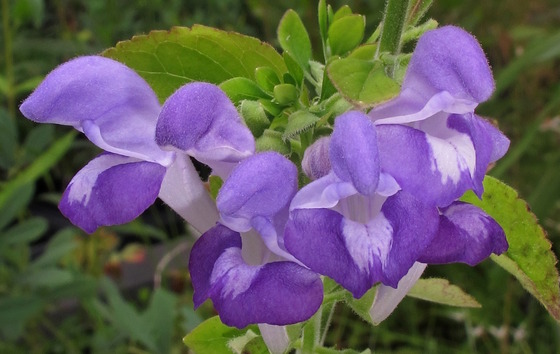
[(466, 234), (107, 101), (448, 72), (106, 191), (277, 293), (199, 119), (353, 151), (358, 255), (443, 159)]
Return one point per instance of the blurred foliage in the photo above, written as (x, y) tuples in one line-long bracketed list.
[(44, 265)]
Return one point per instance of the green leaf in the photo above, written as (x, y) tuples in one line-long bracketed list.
[(362, 305), (38, 139), (416, 32), (170, 59), (28, 85), (294, 39), (346, 33), (254, 116), (293, 68), (8, 140), (15, 311), (41, 165), (61, 244), (266, 78), (335, 351), (299, 122), (362, 82), (212, 336), (47, 277), (323, 20), (272, 140), (24, 232), (442, 292), (342, 12), (15, 202), (241, 88), (285, 94), (215, 183), (416, 10), (161, 315), (529, 257), (125, 317)]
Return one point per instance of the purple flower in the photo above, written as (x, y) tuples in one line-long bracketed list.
[(354, 224), (358, 227), (430, 140), (241, 263), (118, 111)]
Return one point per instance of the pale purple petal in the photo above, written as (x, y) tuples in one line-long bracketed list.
[(358, 255), (450, 59), (315, 162), (448, 72), (325, 192), (110, 103), (257, 195), (387, 298), (276, 293), (442, 159), (353, 151), (261, 185), (275, 337), (184, 192), (107, 191), (200, 120), (436, 170), (466, 234)]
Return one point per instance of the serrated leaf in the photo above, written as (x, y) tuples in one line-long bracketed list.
[(362, 82), (442, 292), (170, 59), (346, 33), (241, 88), (212, 336), (299, 122), (529, 257), (294, 39)]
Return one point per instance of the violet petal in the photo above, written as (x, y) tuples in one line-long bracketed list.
[(106, 191)]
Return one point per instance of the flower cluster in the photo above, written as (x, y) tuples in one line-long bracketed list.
[(382, 201)]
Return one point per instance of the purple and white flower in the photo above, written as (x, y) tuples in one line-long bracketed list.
[(430, 140), (354, 224), (118, 111), (241, 263)]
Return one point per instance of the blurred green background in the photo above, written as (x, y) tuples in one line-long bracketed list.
[(55, 296)]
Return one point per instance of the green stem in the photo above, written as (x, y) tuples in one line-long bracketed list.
[(8, 57), (393, 26)]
